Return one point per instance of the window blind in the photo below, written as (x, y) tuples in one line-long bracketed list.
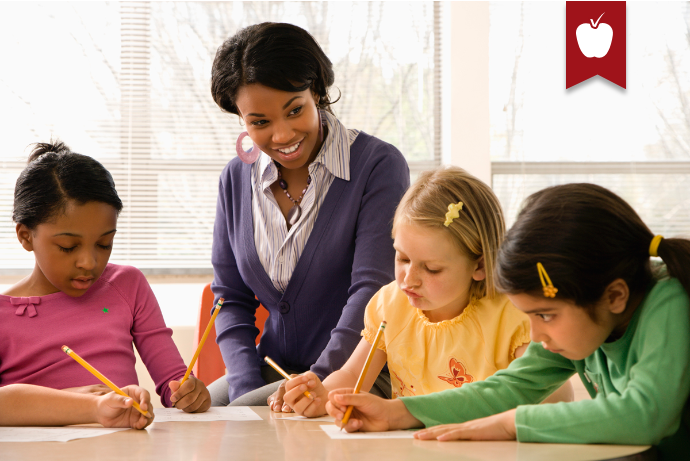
[(635, 142), (129, 84)]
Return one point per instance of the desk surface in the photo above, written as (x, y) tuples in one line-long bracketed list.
[(276, 440)]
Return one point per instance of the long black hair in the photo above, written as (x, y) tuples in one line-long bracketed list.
[(586, 237), (277, 55), (54, 176)]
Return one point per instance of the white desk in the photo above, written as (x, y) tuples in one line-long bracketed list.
[(274, 440)]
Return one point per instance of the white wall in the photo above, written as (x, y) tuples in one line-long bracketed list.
[(466, 81)]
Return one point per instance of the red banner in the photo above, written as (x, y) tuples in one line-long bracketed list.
[(594, 42)]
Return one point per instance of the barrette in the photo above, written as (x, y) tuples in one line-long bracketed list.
[(453, 212), (549, 290)]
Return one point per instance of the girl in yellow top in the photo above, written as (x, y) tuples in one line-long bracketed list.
[(446, 325)]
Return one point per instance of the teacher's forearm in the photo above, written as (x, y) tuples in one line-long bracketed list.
[(236, 333), (243, 372), (337, 352)]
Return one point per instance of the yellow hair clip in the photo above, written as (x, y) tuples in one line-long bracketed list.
[(549, 290), (453, 212)]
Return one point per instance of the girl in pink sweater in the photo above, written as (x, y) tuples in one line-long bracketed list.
[(65, 210)]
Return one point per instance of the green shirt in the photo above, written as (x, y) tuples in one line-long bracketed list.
[(639, 386)]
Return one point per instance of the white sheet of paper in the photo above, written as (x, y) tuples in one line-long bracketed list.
[(164, 415), (335, 433), (320, 419), (53, 434)]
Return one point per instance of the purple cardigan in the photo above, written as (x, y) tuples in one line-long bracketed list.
[(316, 323)]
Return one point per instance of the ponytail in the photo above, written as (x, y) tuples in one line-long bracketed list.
[(55, 175), (675, 252), (42, 148)]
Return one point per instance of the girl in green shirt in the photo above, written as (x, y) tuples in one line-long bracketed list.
[(577, 261)]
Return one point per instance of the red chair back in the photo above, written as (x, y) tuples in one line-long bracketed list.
[(209, 366)]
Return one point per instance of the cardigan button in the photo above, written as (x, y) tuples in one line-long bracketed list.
[(283, 307)]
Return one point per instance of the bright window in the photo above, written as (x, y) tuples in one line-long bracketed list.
[(635, 142), (128, 83)]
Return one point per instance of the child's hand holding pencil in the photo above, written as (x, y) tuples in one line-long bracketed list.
[(302, 405), (114, 410), (189, 393), (287, 377), (103, 379), (118, 408), (191, 396), (363, 374), (369, 413)]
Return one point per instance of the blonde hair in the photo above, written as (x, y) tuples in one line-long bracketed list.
[(479, 229)]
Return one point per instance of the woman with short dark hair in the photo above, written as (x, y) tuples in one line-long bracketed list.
[(303, 223)]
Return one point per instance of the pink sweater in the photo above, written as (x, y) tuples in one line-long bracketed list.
[(100, 326)]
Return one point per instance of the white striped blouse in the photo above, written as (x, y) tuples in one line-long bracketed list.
[(280, 249)]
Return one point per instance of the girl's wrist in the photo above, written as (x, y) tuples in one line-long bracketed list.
[(92, 402), (509, 423), (400, 417)]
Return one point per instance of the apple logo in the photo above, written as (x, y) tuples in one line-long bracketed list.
[(594, 40)]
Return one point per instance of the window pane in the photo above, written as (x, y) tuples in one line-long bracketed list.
[(533, 116), (661, 200), (128, 83), (60, 76)]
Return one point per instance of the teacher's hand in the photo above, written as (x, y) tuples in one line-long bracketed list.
[(275, 400)]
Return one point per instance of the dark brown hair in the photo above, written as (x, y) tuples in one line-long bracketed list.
[(277, 55), (586, 237), (56, 175)]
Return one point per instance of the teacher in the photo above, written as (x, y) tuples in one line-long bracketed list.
[(303, 221)]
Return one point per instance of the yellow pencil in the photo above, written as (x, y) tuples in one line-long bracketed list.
[(277, 368), (103, 379), (363, 374), (203, 340)]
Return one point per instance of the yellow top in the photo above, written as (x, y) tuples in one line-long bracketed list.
[(425, 357)]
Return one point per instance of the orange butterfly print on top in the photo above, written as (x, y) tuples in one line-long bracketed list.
[(458, 374)]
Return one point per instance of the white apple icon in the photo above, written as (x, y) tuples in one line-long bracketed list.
[(594, 41)]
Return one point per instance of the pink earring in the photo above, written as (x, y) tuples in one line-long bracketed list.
[(250, 156)]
